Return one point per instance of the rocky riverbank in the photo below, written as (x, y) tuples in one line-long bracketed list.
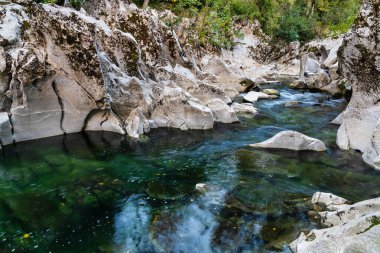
[(115, 67)]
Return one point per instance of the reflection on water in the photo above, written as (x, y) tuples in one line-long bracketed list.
[(102, 192)]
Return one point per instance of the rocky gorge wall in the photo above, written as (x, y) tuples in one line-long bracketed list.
[(121, 70), (114, 67), (359, 59)]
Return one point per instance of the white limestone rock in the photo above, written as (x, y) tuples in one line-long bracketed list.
[(293, 141), (137, 124), (351, 228), (358, 61), (221, 111), (253, 96), (103, 120), (177, 109), (245, 109)]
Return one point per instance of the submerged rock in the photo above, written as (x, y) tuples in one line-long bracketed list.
[(291, 140), (352, 228), (293, 103), (201, 187)]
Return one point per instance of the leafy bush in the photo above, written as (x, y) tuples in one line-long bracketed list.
[(293, 26)]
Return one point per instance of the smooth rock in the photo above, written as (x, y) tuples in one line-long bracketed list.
[(311, 66), (272, 92), (245, 109), (221, 111), (137, 124), (253, 96), (104, 121), (201, 187), (293, 141)]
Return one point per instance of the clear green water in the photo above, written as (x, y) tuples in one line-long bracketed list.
[(101, 192)]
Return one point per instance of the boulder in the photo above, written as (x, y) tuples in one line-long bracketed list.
[(201, 187), (221, 111), (311, 66), (177, 109), (318, 80), (298, 84), (293, 141), (245, 109), (103, 120), (272, 92), (137, 124), (253, 96)]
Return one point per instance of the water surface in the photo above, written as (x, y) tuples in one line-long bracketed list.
[(102, 192)]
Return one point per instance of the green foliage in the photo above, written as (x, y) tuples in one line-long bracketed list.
[(293, 26), (286, 20), (282, 20)]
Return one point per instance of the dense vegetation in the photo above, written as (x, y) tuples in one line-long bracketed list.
[(285, 20), (282, 20)]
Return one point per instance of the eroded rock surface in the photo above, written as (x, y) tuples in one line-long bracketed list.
[(359, 60), (115, 68), (350, 228)]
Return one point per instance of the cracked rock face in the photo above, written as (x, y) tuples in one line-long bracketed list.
[(359, 62), (116, 68), (350, 228)]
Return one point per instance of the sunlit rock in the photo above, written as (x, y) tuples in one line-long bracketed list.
[(245, 109), (291, 140), (359, 63), (351, 228), (221, 111)]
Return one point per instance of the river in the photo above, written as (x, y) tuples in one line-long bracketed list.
[(102, 192)]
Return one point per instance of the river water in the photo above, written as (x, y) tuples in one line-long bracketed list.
[(101, 192)]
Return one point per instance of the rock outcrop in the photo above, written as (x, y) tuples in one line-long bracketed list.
[(291, 140), (319, 68), (359, 59), (350, 228), (113, 68)]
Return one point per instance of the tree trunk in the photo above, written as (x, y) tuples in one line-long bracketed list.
[(145, 4)]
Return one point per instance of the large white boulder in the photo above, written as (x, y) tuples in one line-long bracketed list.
[(293, 141), (253, 96), (221, 111), (245, 109)]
